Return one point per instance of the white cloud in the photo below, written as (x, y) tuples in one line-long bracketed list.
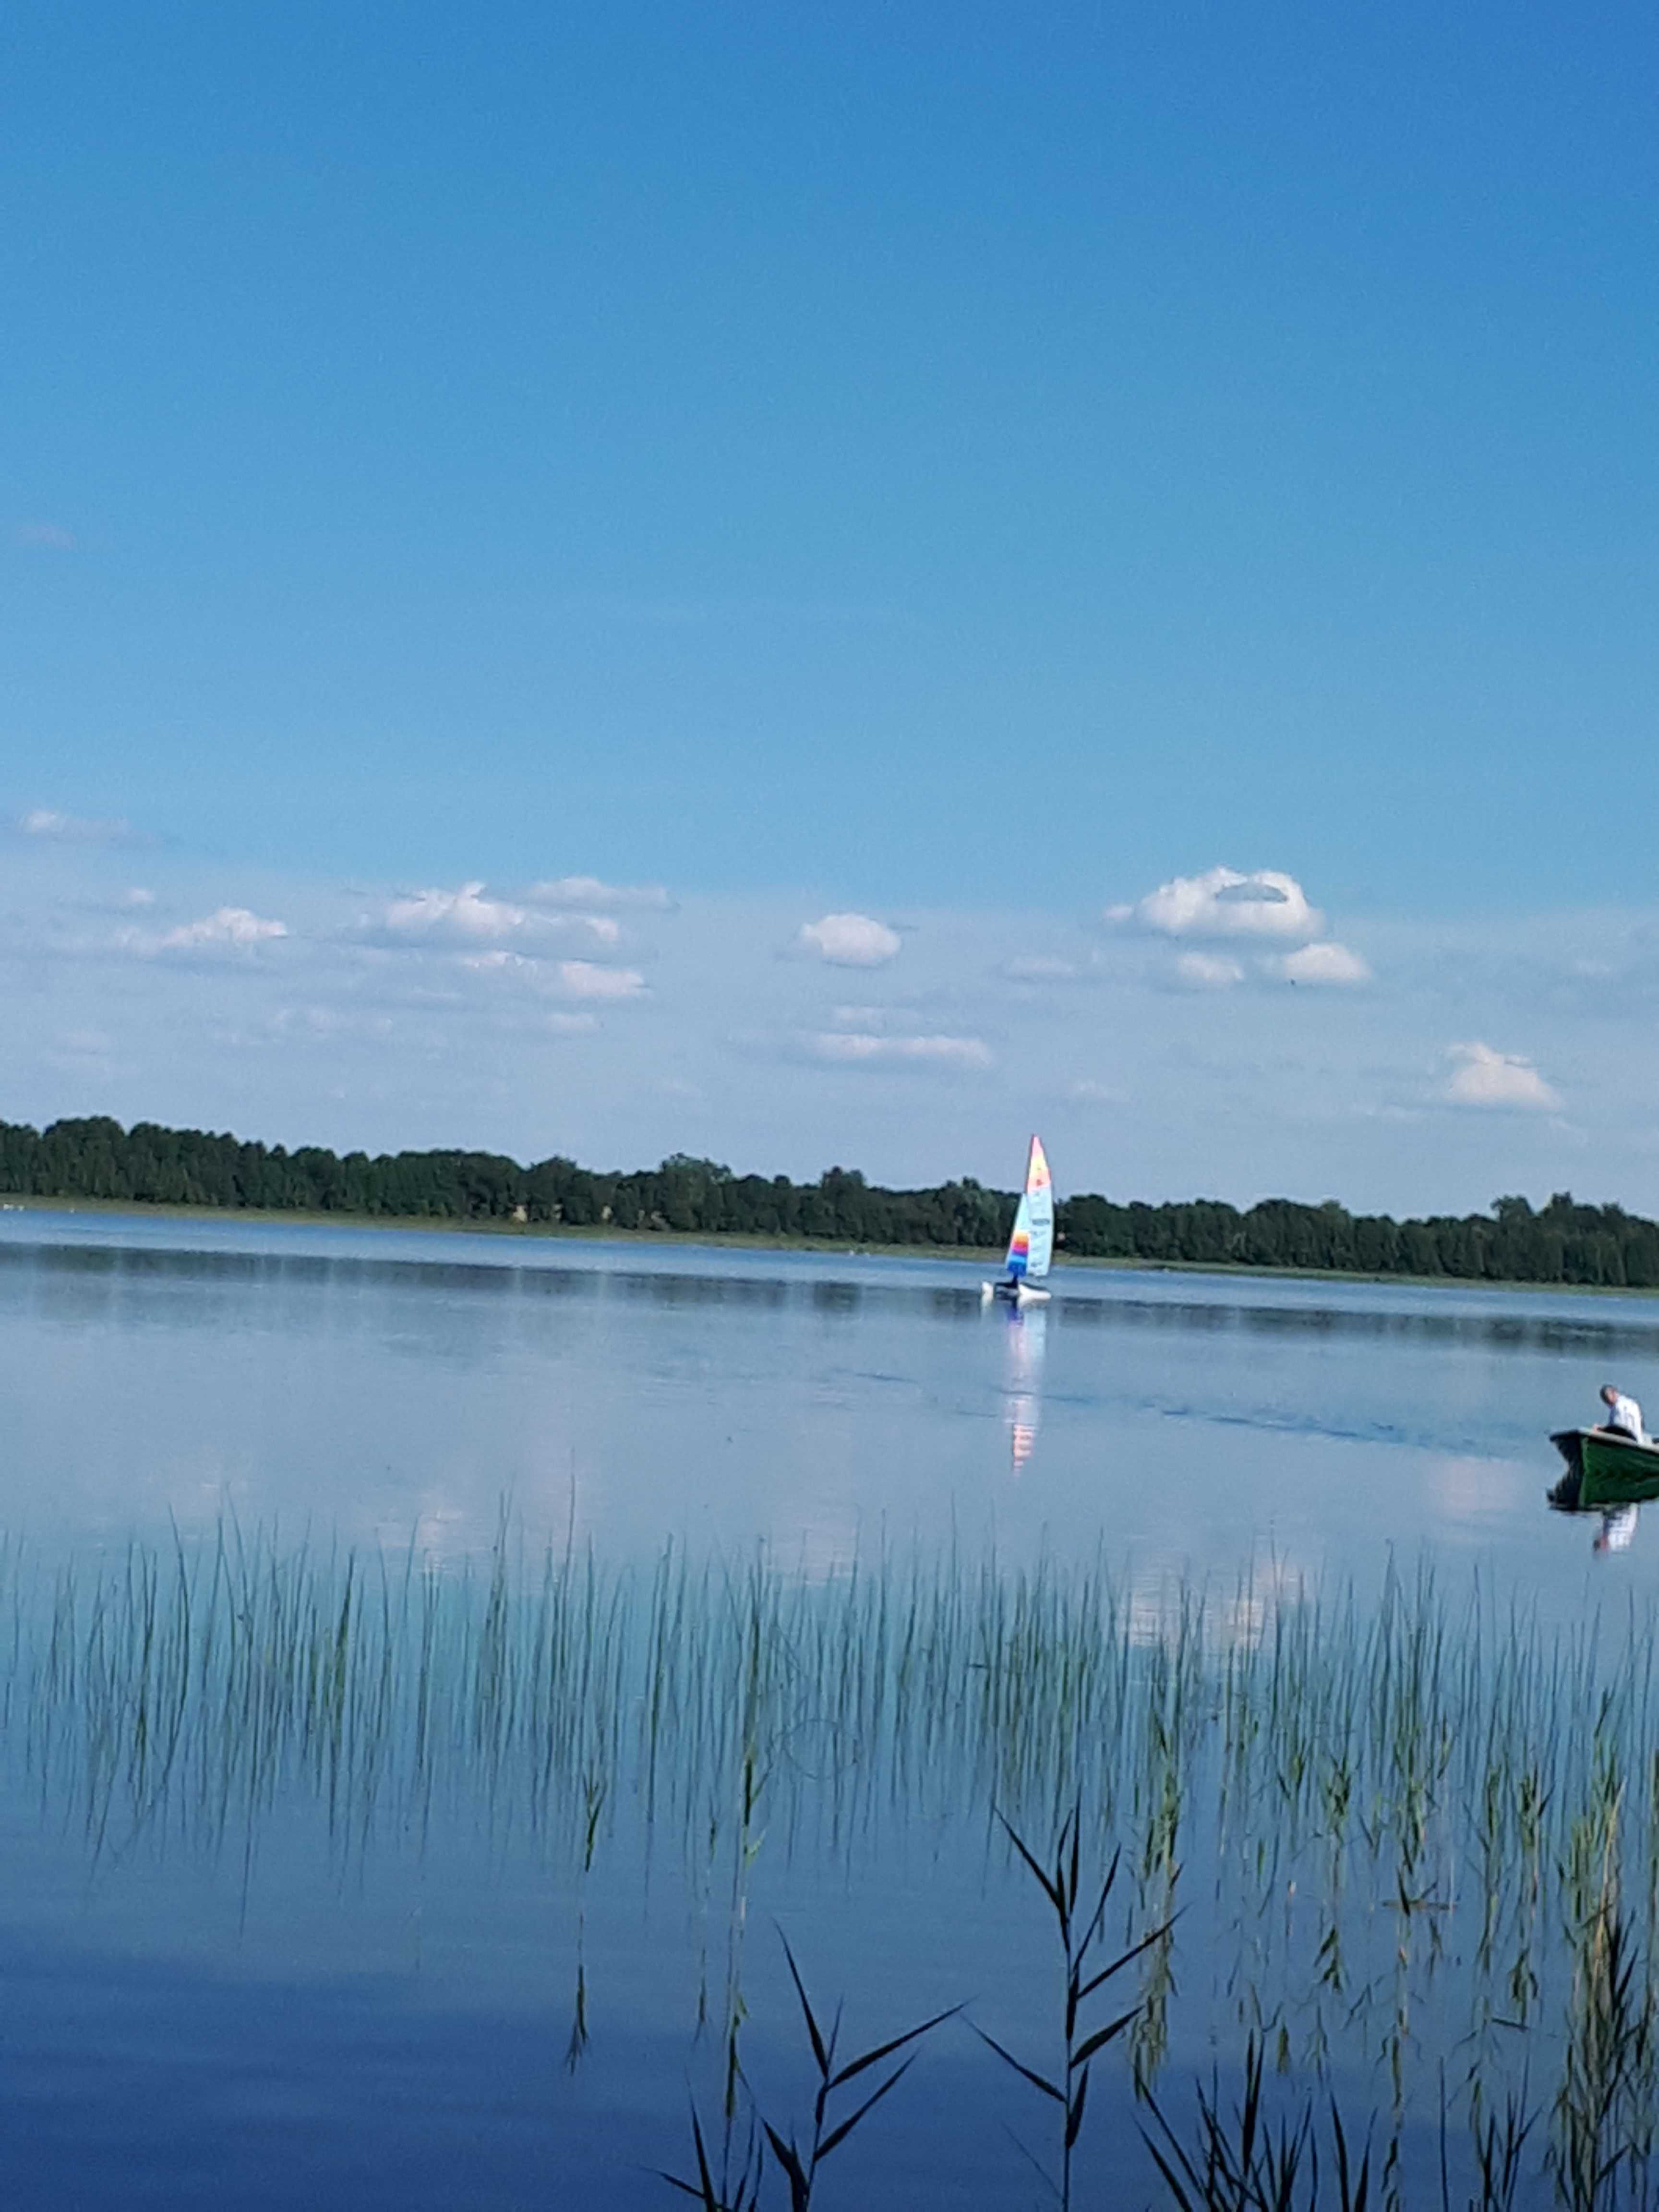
[(1207, 971), (139, 896), (850, 941), (464, 914), (1484, 1076), (1226, 905), (228, 925), (467, 917), (563, 979), (1223, 903), (500, 963), (599, 926), (588, 891), (463, 1032), (858, 1048), (71, 829), (586, 979), (1326, 962)]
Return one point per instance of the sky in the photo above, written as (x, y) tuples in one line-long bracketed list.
[(837, 584)]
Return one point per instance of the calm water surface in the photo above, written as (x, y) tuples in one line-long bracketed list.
[(321, 1998)]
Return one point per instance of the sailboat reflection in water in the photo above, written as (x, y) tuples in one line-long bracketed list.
[(1027, 1333)]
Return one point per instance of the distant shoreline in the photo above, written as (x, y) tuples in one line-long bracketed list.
[(737, 1240), (94, 1159)]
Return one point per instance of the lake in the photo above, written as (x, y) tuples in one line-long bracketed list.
[(442, 1671)]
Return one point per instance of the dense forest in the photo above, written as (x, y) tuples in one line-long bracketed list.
[(147, 1165)]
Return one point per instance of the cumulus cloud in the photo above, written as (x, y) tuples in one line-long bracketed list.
[(586, 979), (1225, 906), (599, 926), (1223, 903), (588, 891), (1484, 1076), (465, 913), (46, 822), (1323, 962), (859, 1048), (850, 941), (466, 916), (563, 979), (226, 924), (1207, 971)]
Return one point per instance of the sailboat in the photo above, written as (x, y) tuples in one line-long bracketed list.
[(1032, 1246)]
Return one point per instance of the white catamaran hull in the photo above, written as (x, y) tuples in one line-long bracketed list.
[(1019, 1294)]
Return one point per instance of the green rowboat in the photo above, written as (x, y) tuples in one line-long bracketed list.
[(1604, 1471)]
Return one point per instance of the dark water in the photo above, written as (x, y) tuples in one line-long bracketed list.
[(350, 1977)]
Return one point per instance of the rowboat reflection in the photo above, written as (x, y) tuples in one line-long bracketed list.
[(1028, 1327), (1606, 1475)]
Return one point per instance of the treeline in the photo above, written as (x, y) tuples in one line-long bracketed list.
[(147, 1165)]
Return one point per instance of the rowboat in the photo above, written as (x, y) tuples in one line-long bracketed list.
[(1604, 1470)]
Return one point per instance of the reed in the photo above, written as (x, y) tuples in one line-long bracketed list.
[(1080, 2044), (1245, 2160), (1404, 1826), (800, 2159)]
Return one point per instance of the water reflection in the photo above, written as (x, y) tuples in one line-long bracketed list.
[(201, 1711), (1470, 1315), (735, 1671), (1026, 1332), (1609, 1487), (374, 1382), (1618, 1530)]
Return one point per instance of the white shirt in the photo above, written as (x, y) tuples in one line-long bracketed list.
[(1618, 1530), (1626, 1413)]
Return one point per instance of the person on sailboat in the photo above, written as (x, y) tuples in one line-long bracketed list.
[(1030, 1247), (1624, 1417)]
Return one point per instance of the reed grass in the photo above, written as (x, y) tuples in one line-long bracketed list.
[(1421, 1824), (1080, 2041)]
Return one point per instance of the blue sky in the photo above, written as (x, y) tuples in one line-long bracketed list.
[(954, 468)]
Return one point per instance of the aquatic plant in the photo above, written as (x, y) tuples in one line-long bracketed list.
[(800, 2161), (1242, 2159), (1079, 1933), (1604, 2108), (1417, 1826)]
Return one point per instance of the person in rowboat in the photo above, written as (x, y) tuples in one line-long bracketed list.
[(1624, 1417)]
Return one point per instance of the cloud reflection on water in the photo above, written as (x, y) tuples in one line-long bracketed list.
[(385, 1383)]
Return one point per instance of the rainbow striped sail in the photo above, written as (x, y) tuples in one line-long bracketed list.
[(1032, 1246)]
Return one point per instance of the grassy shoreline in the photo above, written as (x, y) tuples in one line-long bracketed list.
[(714, 1240)]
